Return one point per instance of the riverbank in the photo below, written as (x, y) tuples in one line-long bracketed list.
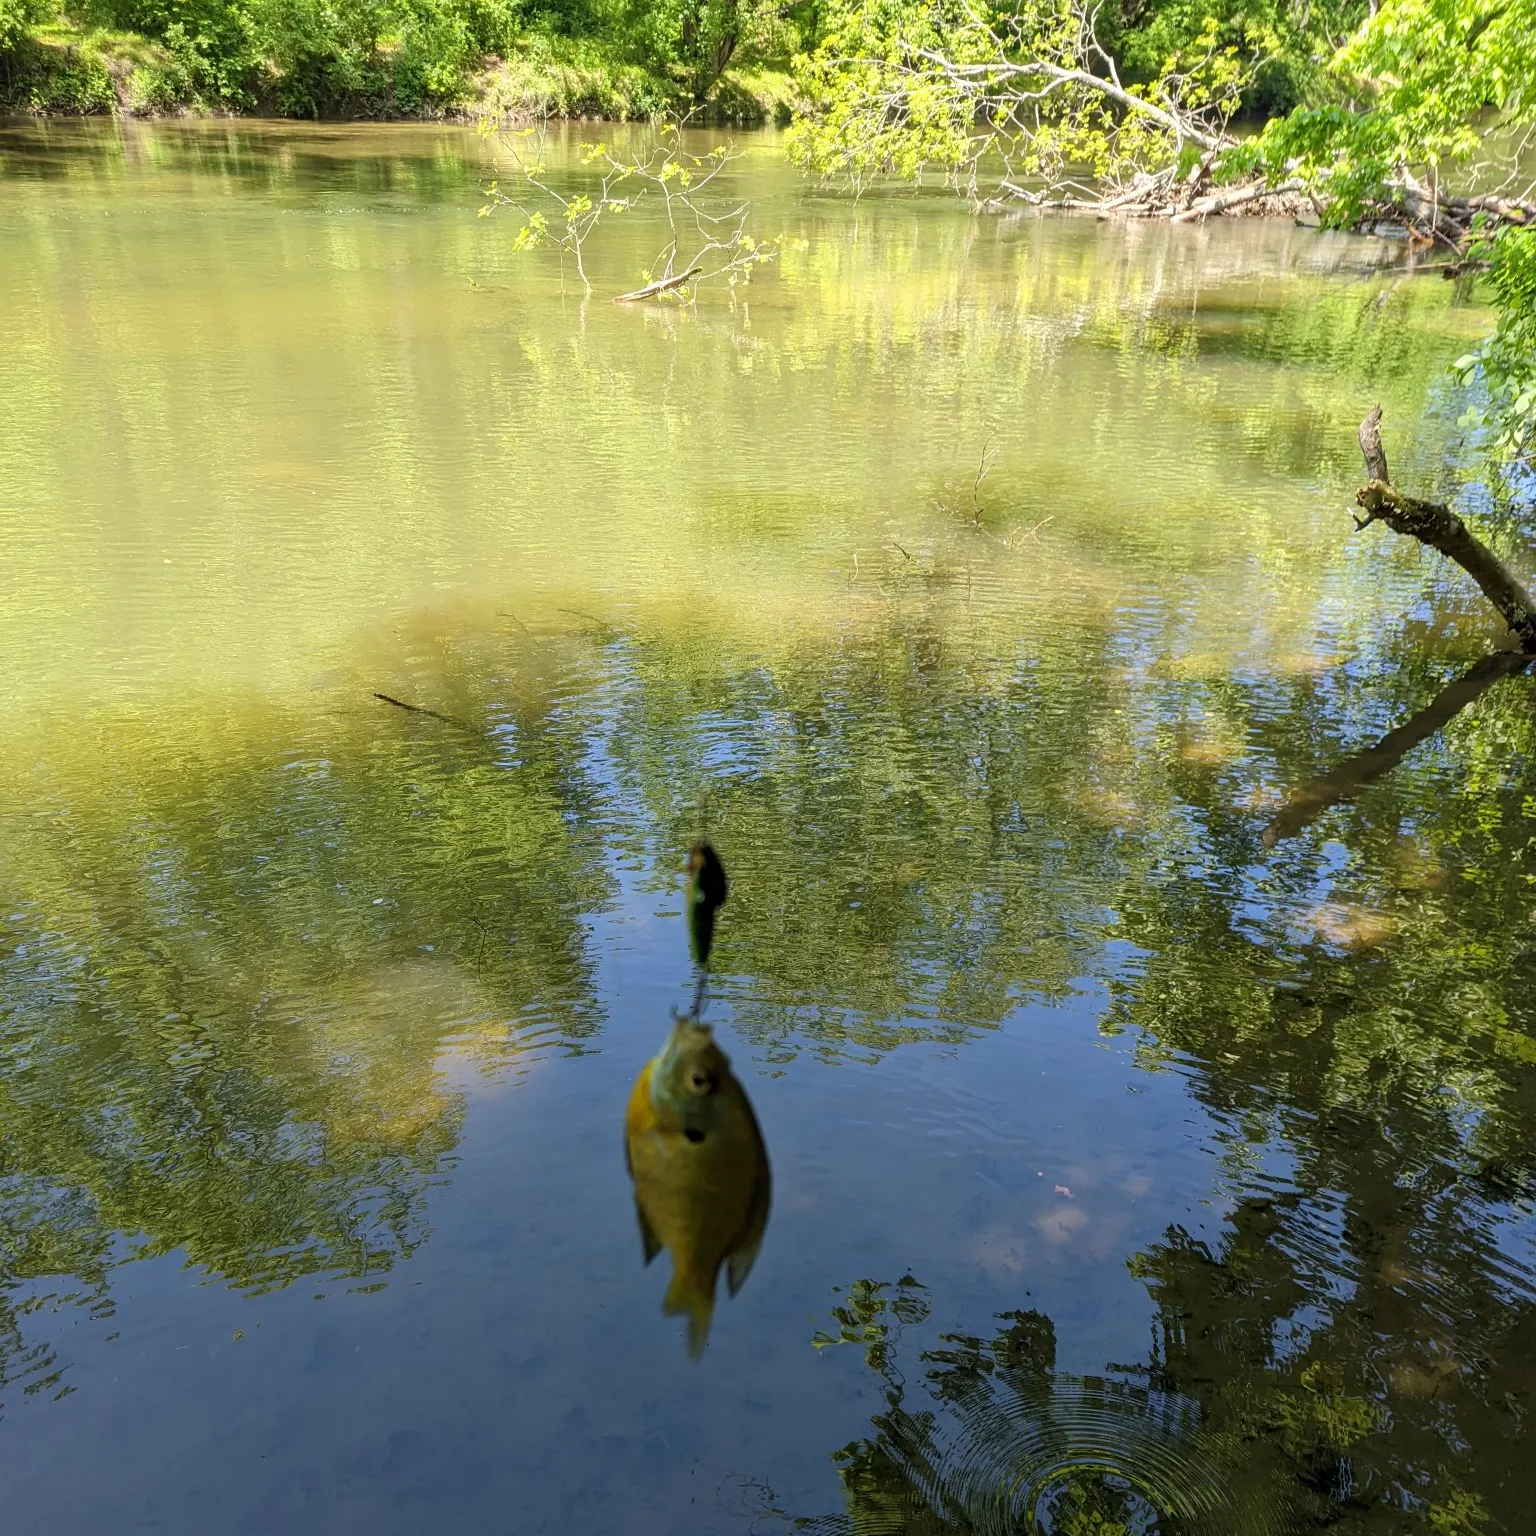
[(68, 70)]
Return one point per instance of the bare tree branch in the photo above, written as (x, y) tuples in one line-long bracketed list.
[(1370, 446), (993, 74), (1441, 529)]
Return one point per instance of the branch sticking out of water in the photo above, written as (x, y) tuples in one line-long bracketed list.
[(1370, 446), (983, 469), (1303, 806), (1441, 529)]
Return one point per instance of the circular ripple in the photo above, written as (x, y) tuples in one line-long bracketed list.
[(1048, 1455)]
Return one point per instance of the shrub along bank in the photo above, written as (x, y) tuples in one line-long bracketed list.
[(398, 58), (609, 58)]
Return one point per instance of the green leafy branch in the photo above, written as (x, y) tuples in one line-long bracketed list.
[(708, 238), (1026, 98)]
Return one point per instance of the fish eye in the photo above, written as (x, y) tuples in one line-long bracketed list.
[(700, 1082), (694, 1134)]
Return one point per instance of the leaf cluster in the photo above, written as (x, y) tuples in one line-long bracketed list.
[(708, 238)]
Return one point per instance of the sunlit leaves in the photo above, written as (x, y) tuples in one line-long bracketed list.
[(711, 227), (900, 87), (1505, 365)]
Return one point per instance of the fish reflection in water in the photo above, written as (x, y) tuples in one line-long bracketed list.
[(700, 1171)]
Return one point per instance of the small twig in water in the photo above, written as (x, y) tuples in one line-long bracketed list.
[(421, 709), (983, 469), (1029, 533), (591, 618)]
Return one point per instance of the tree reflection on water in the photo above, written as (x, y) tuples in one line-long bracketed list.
[(223, 1031)]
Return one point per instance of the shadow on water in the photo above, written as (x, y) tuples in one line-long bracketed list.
[(1304, 805)]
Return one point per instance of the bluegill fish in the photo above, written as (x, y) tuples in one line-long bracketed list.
[(700, 1171)]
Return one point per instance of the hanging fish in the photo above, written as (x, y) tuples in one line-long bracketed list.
[(700, 1171), (707, 890)]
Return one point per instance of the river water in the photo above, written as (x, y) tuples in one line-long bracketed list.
[(1133, 1172)]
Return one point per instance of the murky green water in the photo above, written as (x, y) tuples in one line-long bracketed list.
[(1130, 1174)]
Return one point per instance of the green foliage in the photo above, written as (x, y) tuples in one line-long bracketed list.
[(1505, 364), (1412, 86), (16, 16), (552, 74), (306, 57), (48, 77), (896, 87), (857, 129), (1292, 43), (1430, 89), (695, 41)]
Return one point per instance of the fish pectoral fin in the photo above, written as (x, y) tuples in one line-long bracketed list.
[(739, 1262), (649, 1242)]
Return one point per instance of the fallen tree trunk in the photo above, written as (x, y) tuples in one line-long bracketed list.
[(1441, 529), (1234, 197), (1505, 207), (1402, 201)]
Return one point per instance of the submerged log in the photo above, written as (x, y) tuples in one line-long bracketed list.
[(1441, 529), (421, 709), (662, 285)]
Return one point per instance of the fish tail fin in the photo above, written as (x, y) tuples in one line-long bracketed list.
[(696, 1297)]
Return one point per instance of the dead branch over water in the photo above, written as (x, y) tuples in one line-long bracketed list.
[(1441, 529), (662, 285)]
